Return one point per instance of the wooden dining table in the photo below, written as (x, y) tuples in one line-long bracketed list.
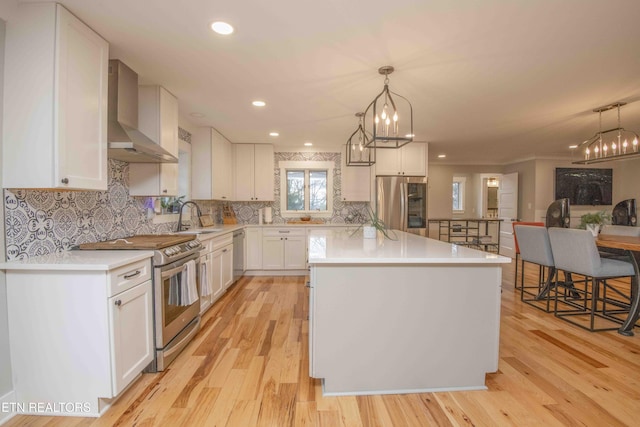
[(631, 246)]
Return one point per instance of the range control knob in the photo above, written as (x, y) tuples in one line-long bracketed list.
[(167, 252)]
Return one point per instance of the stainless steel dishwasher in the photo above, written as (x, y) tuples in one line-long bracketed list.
[(238, 254)]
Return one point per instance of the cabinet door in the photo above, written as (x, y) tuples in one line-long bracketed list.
[(254, 248), (216, 273), (131, 324), (356, 182), (295, 253), (55, 90), (205, 300), (169, 140), (273, 253), (227, 266), (388, 161), (221, 162), (264, 174), (414, 159), (244, 171), (81, 78)]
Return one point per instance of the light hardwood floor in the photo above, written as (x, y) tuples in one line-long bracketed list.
[(248, 366)]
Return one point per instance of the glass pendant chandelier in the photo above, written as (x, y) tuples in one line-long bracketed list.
[(611, 144), (359, 153), (389, 117)]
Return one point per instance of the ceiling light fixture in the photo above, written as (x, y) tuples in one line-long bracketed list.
[(442, 156), (492, 182), (222, 28), (573, 146), (389, 116), (274, 134), (308, 144), (622, 145), (358, 151), (259, 103)]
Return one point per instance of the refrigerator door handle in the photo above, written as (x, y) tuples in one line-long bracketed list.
[(403, 205)]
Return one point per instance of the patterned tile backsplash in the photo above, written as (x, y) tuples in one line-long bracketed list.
[(40, 222)]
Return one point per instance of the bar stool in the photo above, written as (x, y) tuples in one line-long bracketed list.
[(576, 251), (535, 248), (517, 248)]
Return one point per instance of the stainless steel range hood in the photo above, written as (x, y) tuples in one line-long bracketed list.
[(126, 142)]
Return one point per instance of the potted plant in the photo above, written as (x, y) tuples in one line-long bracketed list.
[(373, 225), (593, 221)]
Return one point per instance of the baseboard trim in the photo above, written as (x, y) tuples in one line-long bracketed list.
[(5, 405), (276, 272)]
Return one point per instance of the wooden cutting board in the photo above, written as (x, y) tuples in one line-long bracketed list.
[(143, 241)]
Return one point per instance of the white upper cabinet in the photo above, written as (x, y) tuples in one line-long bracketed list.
[(55, 101), (157, 119), (211, 165), (410, 160), (356, 182), (254, 175)]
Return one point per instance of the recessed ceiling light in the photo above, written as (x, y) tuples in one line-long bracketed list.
[(259, 103), (409, 135), (442, 156), (274, 134), (573, 146), (308, 144), (197, 115), (222, 28)]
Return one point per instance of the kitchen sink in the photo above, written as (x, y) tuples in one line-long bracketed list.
[(207, 231)]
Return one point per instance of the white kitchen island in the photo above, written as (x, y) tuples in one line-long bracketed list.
[(401, 316)]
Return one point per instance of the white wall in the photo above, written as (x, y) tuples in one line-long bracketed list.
[(626, 175), (6, 384)]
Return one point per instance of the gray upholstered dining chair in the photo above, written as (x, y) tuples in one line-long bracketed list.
[(535, 248), (576, 251)]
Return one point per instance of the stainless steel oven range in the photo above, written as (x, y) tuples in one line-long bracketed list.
[(176, 311)]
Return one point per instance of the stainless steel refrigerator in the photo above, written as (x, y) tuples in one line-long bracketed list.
[(401, 203)]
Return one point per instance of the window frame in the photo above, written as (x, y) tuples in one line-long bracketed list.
[(461, 181), (306, 166)]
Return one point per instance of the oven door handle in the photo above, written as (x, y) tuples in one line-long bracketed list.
[(172, 272)]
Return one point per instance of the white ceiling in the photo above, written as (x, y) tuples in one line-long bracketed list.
[(490, 81)]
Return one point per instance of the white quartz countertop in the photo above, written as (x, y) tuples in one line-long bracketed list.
[(345, 247), (78, 260)]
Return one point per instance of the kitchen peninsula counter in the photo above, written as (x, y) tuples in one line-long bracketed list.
[(401, 316)]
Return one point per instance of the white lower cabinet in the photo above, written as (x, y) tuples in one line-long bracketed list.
[(84, 338), (205, 275), (131, 319), (222, 263), (284, 249), (254, 248)]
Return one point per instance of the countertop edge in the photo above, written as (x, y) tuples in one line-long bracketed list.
[(72, 261)]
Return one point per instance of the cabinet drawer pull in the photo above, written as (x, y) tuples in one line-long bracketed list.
[(118, 303), (225, 250), (65, 180), (129, 276), (308, 284), (164, 191), (284, 231)]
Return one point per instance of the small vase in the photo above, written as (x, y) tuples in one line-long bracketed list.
[(368, 232), (594, 229)]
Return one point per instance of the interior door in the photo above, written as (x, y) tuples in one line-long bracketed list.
[(508, 212)]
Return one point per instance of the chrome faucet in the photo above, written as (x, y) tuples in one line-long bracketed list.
[(189, 202)]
